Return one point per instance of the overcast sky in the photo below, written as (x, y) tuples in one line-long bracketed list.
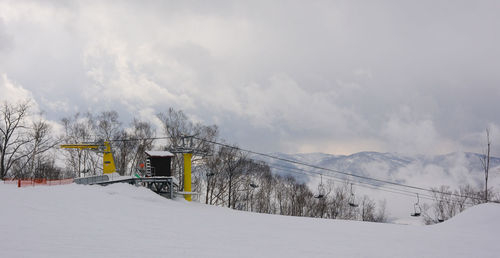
[(291, 76)]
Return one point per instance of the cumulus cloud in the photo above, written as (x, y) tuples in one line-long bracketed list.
[(12, 92), (476, 140), (5, 39), (326, 76), (407, 134)]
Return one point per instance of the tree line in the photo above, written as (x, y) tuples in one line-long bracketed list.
[(222, 174), (229, 178), (25, 141), (448, 202)]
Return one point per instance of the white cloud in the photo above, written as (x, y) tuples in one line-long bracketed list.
[(475, 141), (277, 77), (12, 92), (406, 133)]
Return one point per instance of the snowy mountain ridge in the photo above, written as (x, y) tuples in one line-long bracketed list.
[(456, 168)]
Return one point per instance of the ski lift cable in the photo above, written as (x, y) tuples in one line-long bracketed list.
[(362, 184), (336, 171), (311, 166), (378, 188), (341, 180), (429, 197), (365, 185)]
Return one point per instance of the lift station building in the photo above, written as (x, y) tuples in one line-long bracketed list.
[(158, 163)]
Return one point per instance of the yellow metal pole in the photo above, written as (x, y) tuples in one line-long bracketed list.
[(108, 164), (187, 175), (108, 160)]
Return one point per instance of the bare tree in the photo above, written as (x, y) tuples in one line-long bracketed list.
[(123, 151), (485, 162), (261, 189), (109, 128), (40, 139), (381, 215), (339, 207), (367, 209), (448, 203), (46, 168), (80, 129), (128, 146), (12, 134), (142, 133), (232, 161), (107, 125), (183, 134), (213, 169)]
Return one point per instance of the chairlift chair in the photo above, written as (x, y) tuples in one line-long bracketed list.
[(417, 209), (440, 217), (352, 202), (417, 212), (321, 189), (319, 196)]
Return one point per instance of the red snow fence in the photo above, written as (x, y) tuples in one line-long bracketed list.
[(37, 181)]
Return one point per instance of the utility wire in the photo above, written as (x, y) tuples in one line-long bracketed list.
[(140, 139), (362, 184), (339, 180), (319, 168), (337, 171)]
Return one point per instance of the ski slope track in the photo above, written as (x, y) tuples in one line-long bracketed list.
[(127, 221)]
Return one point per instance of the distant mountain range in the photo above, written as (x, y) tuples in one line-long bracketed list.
[(424, 170)]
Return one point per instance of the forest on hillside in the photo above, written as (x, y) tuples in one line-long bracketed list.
[(223, 174)]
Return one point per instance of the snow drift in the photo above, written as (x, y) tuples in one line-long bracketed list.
[(126, 221)]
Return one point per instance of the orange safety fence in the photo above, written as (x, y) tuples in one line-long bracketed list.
[(37, 181)]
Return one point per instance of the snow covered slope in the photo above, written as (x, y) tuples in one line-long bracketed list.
[(126, 221)]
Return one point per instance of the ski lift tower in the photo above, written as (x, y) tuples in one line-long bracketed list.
[(188, 150), (104, 147)]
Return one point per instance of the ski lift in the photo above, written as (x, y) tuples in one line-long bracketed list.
[(440, 217), (321, 189), (352, 202), (417, 209)]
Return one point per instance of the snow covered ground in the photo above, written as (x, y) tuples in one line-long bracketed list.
[(126, 221)]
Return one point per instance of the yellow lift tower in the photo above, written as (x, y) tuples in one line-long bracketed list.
[(187, 175), (187, 150), (108, 164)]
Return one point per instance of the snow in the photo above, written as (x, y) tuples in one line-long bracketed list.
[(159, 154), (121, 220)]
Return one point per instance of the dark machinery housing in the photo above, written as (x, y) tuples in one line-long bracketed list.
[(158, 163)]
